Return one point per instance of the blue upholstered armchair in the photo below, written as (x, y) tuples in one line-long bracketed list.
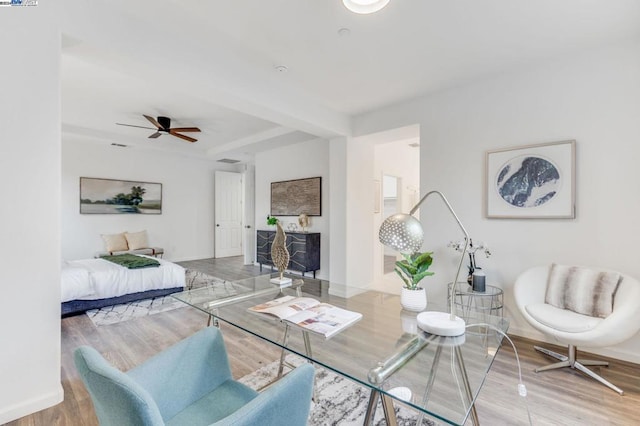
[(190, 384)]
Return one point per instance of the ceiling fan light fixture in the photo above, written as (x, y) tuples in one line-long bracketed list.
[(364, 7)]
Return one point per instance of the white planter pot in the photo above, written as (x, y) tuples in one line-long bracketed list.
[(414, 300)]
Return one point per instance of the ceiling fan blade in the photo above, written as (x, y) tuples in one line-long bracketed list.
[(153, 121), (131, 125), (186, 138), (155, 135), (185, 129)]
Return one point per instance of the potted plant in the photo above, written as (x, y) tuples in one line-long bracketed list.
[(412, 270), (272, 220)]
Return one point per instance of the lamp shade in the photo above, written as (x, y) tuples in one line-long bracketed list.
[(402, 232), (364, 6)]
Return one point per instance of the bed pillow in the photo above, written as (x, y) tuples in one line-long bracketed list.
[(582, 290), (115, 242), (137, 240)]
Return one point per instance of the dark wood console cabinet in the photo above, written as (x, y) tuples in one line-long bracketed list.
[(304, 250)]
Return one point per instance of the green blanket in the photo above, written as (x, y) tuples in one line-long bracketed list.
[(132, 261)]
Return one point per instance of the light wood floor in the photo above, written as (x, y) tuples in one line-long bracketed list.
[(562, 397)]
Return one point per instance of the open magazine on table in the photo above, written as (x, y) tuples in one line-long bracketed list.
[(310, 314)]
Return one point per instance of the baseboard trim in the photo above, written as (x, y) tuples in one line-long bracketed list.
[(24, 408)]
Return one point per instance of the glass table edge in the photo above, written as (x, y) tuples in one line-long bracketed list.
[(210, 307)]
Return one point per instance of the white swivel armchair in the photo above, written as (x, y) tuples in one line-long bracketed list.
[(533, 293)]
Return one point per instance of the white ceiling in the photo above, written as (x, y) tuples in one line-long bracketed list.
[(212, 64)]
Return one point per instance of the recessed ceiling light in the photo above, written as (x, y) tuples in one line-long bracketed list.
[(281, 68), (344, 32), (119, 145), (364, 7), (228, 161)]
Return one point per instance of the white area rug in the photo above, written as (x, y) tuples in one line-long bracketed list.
[(339, 401), (126, 311)]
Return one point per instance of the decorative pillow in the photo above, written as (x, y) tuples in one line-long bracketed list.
[(582, 290), (115, 242), (137, 240)]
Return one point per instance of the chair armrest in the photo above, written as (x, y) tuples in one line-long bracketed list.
[(287, 401), (531, 286), (183, 373)]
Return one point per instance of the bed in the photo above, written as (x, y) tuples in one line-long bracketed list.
[(95, 283)]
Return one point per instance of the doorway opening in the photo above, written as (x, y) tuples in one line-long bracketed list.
[(397, 166), (390, 206)]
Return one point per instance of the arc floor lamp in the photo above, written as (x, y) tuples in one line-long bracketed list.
[(404, 233)]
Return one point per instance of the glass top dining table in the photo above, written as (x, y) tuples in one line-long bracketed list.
[(384, 351)]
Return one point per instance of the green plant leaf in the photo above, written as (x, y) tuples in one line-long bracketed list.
[(406, 282), (424, 259), (418, 277), (414, 268), (406, 267)]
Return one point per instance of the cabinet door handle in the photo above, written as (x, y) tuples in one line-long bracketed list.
[(217, 224), (248, 226)]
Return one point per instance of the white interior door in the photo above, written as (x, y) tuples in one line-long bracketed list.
[(228, 214), (249, 185)]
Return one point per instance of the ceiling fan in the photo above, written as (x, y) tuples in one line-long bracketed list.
[(163, 124)]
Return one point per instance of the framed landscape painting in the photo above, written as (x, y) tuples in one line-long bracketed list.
[(110, 196), (531, 182)]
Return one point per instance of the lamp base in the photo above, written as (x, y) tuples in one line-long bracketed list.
[(441, 324)]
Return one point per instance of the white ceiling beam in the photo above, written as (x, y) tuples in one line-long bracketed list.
[(189, 60)]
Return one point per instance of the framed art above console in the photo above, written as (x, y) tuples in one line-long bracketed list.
[(294, 197)]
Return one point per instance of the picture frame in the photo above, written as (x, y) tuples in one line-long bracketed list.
[(294, 197), (531, 182), (112, 196)]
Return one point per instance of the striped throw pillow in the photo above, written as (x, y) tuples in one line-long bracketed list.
[(582, 290)]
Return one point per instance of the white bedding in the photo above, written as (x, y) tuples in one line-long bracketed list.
[(91, 279)]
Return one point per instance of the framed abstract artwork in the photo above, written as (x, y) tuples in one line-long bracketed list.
[(294, 197), (531, 182), (110, 196)]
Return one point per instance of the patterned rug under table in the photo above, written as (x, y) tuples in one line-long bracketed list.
[(339, 401)]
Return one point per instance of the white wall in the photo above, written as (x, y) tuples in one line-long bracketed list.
[(185, 229), (30, 211), (303, 160), (593, 98)]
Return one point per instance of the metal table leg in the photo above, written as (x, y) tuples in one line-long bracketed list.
[(387, 406), (467, 387), (432, 377)]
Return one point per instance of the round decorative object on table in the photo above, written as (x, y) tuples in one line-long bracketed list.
[(413, 300)]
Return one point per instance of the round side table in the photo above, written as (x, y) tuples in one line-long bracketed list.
[(475, 304)]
